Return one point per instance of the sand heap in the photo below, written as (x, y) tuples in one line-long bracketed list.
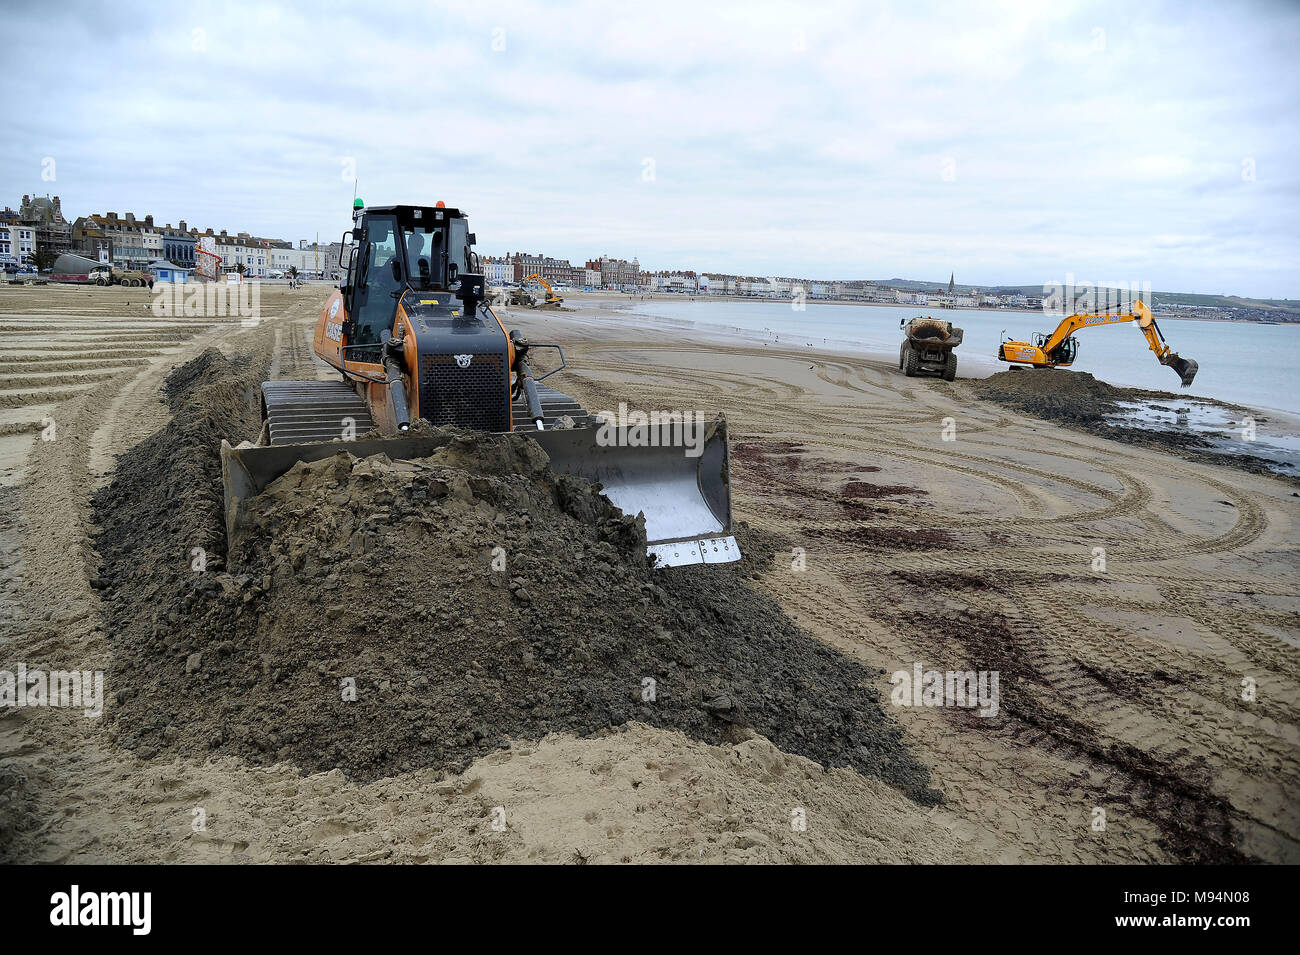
[(380, 616), (1074, 397)]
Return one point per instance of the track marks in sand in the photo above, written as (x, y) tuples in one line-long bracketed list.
[(1110, 715)]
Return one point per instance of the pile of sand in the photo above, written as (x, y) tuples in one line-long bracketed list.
[(1073, 397), (366, 622)]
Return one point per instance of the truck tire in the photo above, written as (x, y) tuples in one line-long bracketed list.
[(950, 368), (913, 363)]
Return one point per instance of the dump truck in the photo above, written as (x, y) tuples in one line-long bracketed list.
[(1059, 348), (73, 268), (413, 339), (520, 297), (927, 347), (112, 275)]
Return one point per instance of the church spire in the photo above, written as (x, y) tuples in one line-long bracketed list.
[(951, 286)]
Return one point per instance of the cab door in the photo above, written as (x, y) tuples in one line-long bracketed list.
[(378, 278)]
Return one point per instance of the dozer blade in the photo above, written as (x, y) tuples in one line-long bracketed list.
[(686, 500), (1186, 367), (247, 471)]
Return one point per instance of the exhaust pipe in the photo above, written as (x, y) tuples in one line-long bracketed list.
[(526, 381), (397, 391)]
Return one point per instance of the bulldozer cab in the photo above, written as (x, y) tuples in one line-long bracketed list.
[(400, 246)]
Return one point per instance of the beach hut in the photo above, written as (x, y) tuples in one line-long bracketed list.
[(169, 272)]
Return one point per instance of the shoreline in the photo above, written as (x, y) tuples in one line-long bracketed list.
[(673, 297), (970, 365)]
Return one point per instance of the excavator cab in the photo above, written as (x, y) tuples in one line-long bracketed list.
[(1063, 354)]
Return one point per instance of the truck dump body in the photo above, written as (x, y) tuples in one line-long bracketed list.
[(70, 267)]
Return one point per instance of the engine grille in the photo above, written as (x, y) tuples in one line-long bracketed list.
[(473, 397)]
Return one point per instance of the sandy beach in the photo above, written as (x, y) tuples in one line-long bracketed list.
[(1140, 608)]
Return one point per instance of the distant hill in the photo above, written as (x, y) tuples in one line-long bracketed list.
[(1259, 309)]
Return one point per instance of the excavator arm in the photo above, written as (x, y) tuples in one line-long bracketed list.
[(1185, 367), (1073, 323)]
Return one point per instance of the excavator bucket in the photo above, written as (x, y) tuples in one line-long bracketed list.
[(1186, 367), (685, 497)]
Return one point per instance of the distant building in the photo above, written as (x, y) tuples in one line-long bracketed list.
[(308, 258), (179, 245), (128, 242), (715, 283), (44, 216), (555, 271), (242, 249), (616, 273), (496, 271), (670, 281), (17, 240)]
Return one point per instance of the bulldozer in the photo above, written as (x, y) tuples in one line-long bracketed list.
[(413, 339), (1060, 348)]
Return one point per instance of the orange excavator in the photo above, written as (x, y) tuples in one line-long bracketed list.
[(1060, 348), (552, 299)]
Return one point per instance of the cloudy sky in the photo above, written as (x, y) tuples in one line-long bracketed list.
[(1006, 142)]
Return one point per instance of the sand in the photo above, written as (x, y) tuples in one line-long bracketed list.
[(1121, 688)]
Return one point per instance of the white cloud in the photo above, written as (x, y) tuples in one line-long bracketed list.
[(1011, 142)]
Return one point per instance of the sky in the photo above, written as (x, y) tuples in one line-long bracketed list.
[(1005, 142)]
